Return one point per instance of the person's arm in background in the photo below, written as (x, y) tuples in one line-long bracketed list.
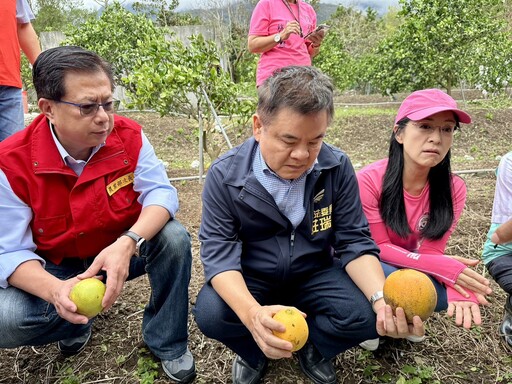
[(29, 42), (503, 233), (260, 39), (27, 37), (500, 231)]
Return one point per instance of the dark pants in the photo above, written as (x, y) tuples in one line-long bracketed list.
[(338, 314), (501, 271)]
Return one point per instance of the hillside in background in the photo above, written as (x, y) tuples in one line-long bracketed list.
[(324, 11)]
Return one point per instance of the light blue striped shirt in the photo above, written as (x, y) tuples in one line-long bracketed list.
[(16, 243), (288, 194)]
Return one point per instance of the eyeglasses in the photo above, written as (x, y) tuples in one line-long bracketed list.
[(90, 109), (448, 129)]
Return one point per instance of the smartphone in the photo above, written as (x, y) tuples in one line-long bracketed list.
[(318, 28)]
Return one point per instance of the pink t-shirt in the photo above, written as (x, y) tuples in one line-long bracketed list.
[(269, 18), (413, 251)]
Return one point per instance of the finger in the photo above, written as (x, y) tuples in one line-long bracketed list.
[(390, 321), (418, 328), (381, 327), (92, 271), (451, 309), (112, 292), (401, 322), (481, 299), (478, 285), (467, 317), (461, 290), (473, 278), (459, 315), (477, 318)]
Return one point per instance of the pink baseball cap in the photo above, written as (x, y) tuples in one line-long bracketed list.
[(421, 104)]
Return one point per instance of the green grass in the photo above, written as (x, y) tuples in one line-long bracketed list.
[(344, 112)]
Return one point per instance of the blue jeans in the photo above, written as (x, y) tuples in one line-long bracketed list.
[(167, 259), (339, 316), (11, 111)]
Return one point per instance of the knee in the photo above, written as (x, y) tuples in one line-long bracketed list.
[(210, 313), (176, 236), (173, 241)]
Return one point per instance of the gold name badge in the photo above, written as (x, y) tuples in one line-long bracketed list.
[(117, 184)]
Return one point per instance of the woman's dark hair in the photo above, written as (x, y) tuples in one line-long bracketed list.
[(392, 205)]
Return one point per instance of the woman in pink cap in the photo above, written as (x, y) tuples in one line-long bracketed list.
[(413, 202)]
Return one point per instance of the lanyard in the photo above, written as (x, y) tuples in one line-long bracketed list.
[(297, 19)]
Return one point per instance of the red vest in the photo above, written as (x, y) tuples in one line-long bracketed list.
[(10, 56), (74, 216)]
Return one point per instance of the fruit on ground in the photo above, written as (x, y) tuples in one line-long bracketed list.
[(297, 330), (411, 290), (87, 294)]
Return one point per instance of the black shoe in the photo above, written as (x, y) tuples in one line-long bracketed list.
[(506, 325), (243, 373), (72, 346), (314, 366)]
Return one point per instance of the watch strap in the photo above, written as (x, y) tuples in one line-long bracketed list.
[(376, 296), (138, 240)]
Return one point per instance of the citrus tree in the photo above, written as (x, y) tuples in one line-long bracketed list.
[(159, 72), (190, 80), (352, 36), (440, 43)]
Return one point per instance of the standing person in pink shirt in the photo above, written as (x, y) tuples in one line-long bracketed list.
[(283, 33), (413, 202)]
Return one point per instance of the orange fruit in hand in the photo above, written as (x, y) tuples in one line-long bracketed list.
[(297, 330), (411, 290), (88, 294)]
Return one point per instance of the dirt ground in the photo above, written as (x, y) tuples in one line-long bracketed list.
[(116, 353)]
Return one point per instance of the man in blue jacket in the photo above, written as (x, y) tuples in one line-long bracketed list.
[(283, 226)]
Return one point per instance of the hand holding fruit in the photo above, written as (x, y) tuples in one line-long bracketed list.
[(411, 297), (262, 327), (87, 295), (297, 330)]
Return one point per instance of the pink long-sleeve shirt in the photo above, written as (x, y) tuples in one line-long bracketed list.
[(413, 251)]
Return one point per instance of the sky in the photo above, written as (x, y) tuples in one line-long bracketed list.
[(188, 4)]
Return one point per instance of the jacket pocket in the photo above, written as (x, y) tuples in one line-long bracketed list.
[(49, 226)]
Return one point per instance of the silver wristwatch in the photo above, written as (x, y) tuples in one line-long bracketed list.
[(277, 38), (376, 296)]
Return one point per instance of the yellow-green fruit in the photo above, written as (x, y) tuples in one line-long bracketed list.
[(297, 330), (411, 290), (88, 294)]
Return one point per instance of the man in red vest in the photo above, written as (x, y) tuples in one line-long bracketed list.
[(82, 194), (16, 32)]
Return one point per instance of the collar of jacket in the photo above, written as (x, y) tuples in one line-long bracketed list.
[(241, 161)]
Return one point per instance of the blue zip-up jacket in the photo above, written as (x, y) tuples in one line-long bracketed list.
[(242, 228)]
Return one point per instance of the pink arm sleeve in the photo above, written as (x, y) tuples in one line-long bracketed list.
[(439, 266), (453, 295)]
